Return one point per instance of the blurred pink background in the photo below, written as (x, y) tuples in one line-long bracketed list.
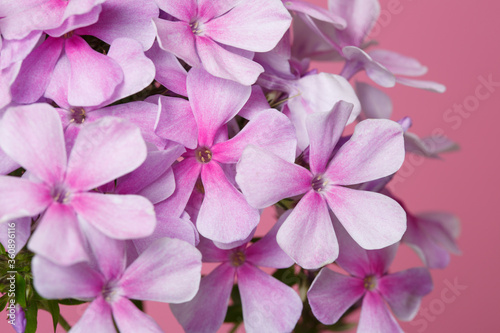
[(458, 41)]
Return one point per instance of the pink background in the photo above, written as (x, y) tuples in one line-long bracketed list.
[(458, 41)]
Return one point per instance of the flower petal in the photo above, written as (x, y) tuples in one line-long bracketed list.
[(372, 219), (269, 129), (224, 216), (97, 318), (76, 281), (177, 37), (103, 151), (206, 311), (265, 179), (325, 129), (21, 228), (130, 319), (32, 135), (116, 216), (183, 10), (307, 234), (58, 236), (375, 317), (225, 64), (169, 271), (375, 150), (404, 290), (254, 25), (268, 304), (214, 101), (332, 294), (169, 71), (374, 102), (176, 122)]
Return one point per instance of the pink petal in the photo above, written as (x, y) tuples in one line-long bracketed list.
[(375, 150), (209, 9), (374, 102), (404, 290), (225, 64), (177, 37), (325, 129), (161, 189), (58, 236), (214, 101), (138, 70), (397, 63), (32, 136), (186, 174), (103, 151), (422, 84), (169, 71), (7, 165), (265, 179), (176, 122), (316, 12), (206, 311), (375, 317), (269, 130), (183, 10), (141, 114), (130, 319), (254, 25), (116, 216), (224, 216), (97, 318), (36, 70), (268, 305), (85, 89), (21, 228), (431, 146), (375, 71), (58, 87), (169, 270), (76, 281), (372, 219), (307, 234), (213, 253), (25, 198), (77, 14), (255, 104), (266, 251), (360, 16), (332, 294), (448, 224), (124, 18)]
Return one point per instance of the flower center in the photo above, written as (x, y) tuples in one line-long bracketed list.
[(78, 115), (68, 34), (319, 183), (196, 27), (237, 258), (109, 291), (370, 282), (203, 155), (60, 194)]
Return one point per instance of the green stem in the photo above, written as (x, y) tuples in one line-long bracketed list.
[(235, 327), (64, 324)]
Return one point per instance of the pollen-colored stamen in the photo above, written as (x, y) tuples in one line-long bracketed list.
[(78, 115), (203, 155), (68, 34), (237, 258), (109, 291), (370, 282), (319, 183), (60, 194), (196, 27)]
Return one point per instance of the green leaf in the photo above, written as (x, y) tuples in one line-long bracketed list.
[(287, 276), (3, 302), (70, 301), (20, 290), (31, 318), (54, 311)]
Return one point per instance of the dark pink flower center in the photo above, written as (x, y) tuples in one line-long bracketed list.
[(196, 27), (370, 282), (319, 183), (237, 258), (78, 115), (61, 194), (203, 155)]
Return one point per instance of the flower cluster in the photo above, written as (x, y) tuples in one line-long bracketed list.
[(139, 139)]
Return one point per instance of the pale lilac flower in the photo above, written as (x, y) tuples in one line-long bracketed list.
[(21, 227), (376, 104), (268, 304), (167, 271), (375, 150), (332, 293), (433, 236), (222, 36), (60, 187), (20, 321), (199, 124)]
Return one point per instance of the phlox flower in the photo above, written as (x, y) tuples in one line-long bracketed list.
[(199, 124), (332, 293), (268, 304), (375, 150), (167, 271), (222, 36), (60, 188)]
